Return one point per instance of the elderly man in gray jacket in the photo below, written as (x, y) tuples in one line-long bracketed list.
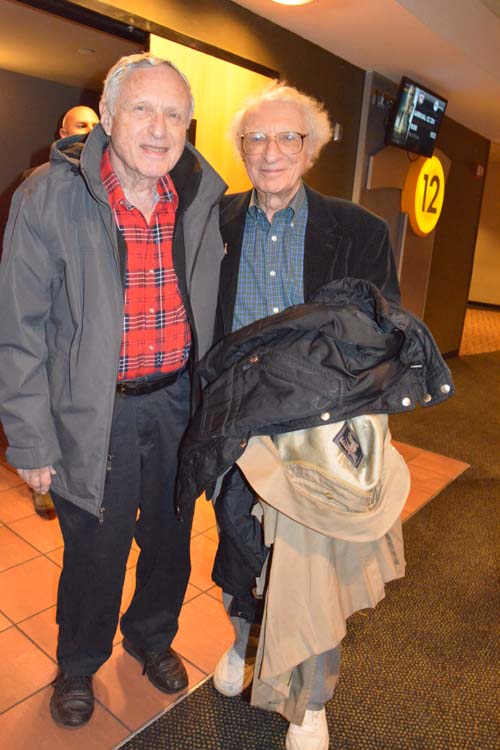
[(108, 287)]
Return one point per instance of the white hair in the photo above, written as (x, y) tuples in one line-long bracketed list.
[(125, 65), (318, 122)]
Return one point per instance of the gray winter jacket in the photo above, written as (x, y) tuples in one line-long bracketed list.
[(61, 307)]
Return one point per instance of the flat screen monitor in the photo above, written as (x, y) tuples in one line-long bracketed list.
[(415, 118)]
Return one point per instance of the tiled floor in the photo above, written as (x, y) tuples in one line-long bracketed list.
[(30, 560)]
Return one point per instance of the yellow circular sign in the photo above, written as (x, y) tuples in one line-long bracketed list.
[(423, 194)]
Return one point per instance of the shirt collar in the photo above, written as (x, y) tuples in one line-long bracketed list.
[(295, 204)]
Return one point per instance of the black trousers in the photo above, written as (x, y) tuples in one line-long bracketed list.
[(138, 502)]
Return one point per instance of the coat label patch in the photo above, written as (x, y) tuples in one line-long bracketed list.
[(348, 442)]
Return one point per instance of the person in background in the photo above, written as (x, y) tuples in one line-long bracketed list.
[(283, 241), (78, 121), (108, 290)]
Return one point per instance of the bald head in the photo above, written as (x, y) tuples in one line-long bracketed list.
[(78, 121)]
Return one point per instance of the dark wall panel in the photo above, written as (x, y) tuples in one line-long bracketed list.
[(33, 109), (452, 260)]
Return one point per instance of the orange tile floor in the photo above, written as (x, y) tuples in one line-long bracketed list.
[(30, 561)]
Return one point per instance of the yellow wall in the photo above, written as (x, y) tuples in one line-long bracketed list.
[(219, 88)]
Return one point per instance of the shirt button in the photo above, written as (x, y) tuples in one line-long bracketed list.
[(272, 273), (151, 309), (274, 238), (151, 270), (291, 224), (276, 309), (150, 347)]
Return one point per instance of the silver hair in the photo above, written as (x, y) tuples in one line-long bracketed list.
[(318, 122), (125, 65)]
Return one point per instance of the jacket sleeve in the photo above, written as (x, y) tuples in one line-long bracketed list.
[(370, 256), (384, 274), (27, 280), (344, 239)]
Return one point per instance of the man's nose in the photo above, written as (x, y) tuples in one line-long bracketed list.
[(158, 124), (272, 150)]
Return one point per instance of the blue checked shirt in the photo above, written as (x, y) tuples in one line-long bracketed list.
[(271, 273)]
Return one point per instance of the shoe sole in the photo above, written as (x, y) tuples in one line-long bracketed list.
[(246, 682), (129, 649), (66, 725)]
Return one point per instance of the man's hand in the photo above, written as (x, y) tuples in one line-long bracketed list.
[(38, 479)]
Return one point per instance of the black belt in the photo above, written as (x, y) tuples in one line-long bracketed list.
[(142, 386)]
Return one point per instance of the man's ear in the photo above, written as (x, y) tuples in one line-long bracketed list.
[(63, 132), (106, 118)]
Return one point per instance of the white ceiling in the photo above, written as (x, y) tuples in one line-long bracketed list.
[(453, 46)]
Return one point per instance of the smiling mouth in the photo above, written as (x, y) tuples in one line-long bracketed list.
[(154, 149)]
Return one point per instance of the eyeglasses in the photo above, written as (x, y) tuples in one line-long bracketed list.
[(289, 142)]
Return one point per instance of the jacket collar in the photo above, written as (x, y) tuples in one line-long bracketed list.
[(90, 160), (85, 153), (82, 152), (232, 225), (186, 176)]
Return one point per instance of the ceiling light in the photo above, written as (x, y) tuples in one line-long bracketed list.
[(292, 2)]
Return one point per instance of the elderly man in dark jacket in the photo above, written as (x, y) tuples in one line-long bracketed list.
[(283, 241), (108, 287)]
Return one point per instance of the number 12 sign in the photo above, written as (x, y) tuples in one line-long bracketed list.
[(423, 194)]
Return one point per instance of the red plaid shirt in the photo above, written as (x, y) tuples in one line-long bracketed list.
[(156, 333)]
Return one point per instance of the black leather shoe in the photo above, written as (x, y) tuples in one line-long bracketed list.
[(163, 668), (72, 702)]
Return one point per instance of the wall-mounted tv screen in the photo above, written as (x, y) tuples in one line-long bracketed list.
[(415, 118)]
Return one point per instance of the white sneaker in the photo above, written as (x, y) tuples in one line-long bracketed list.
[(232, 674), (312, 734)]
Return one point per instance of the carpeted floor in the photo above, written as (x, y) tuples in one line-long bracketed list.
[(420, 672), (481, 332)]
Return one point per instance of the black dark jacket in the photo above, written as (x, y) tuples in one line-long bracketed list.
[(342, 239), (348, 352)]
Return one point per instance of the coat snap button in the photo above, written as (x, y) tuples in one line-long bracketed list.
[(427, 398), (325, 416), (243, 443), (253, 359), (445, 388), (406, 401)]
